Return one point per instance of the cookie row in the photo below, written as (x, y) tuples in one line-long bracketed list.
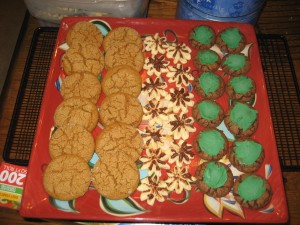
[(119, 145), (215, 178), (71, 146)]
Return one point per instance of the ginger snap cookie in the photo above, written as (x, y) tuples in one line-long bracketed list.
[(121, 35), (72, 139), (120, 107), (214, 179), (82, 85), (119, 138), (115, 176), (81, 58), (84, 32), (122, 79), (67, 177), (252, 191), (241, 119), (124, 54), (78, 111)]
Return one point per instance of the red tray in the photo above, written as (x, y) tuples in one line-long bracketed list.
[(188, 206)]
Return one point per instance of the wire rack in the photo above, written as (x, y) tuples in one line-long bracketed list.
[(281, 81)]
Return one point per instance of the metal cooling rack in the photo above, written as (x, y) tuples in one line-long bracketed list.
[(281, 81)]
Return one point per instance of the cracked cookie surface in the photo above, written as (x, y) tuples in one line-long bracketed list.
[(84, 32), (77, 111), (82, 58), (121, 35), (73, 140), (124, 54), (122, 79), (120, 107), (82, 85), (67, 177), (117, 138), (115, 176)]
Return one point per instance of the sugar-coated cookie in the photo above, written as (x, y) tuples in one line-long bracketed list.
[(73, 140), (119, 138), (122, 35), (125, 54), (81, 58), (77, 111), (115, 177), (122, 79), (67, 177), (84, 32), (120, 107), (82, 85)]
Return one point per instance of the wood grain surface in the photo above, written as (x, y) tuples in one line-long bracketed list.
[(277, 17)]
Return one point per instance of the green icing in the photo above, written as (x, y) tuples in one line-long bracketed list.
[(251, 188), (209, 82), (247, 151), (215, 176), (241, 84), (242, 115), (211, 142), (207, 57), (208, 110), (203, 35), (231, 37), (235, 61)]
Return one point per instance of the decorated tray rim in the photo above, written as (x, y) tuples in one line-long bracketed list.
[(26, 211)]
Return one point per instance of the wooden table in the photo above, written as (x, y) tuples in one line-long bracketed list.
[(278, 17)]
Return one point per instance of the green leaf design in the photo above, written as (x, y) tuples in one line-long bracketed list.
[(66, 206), (103, 26), (122, 207), (185, 198)]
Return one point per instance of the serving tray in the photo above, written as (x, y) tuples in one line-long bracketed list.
[(188, 204)]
